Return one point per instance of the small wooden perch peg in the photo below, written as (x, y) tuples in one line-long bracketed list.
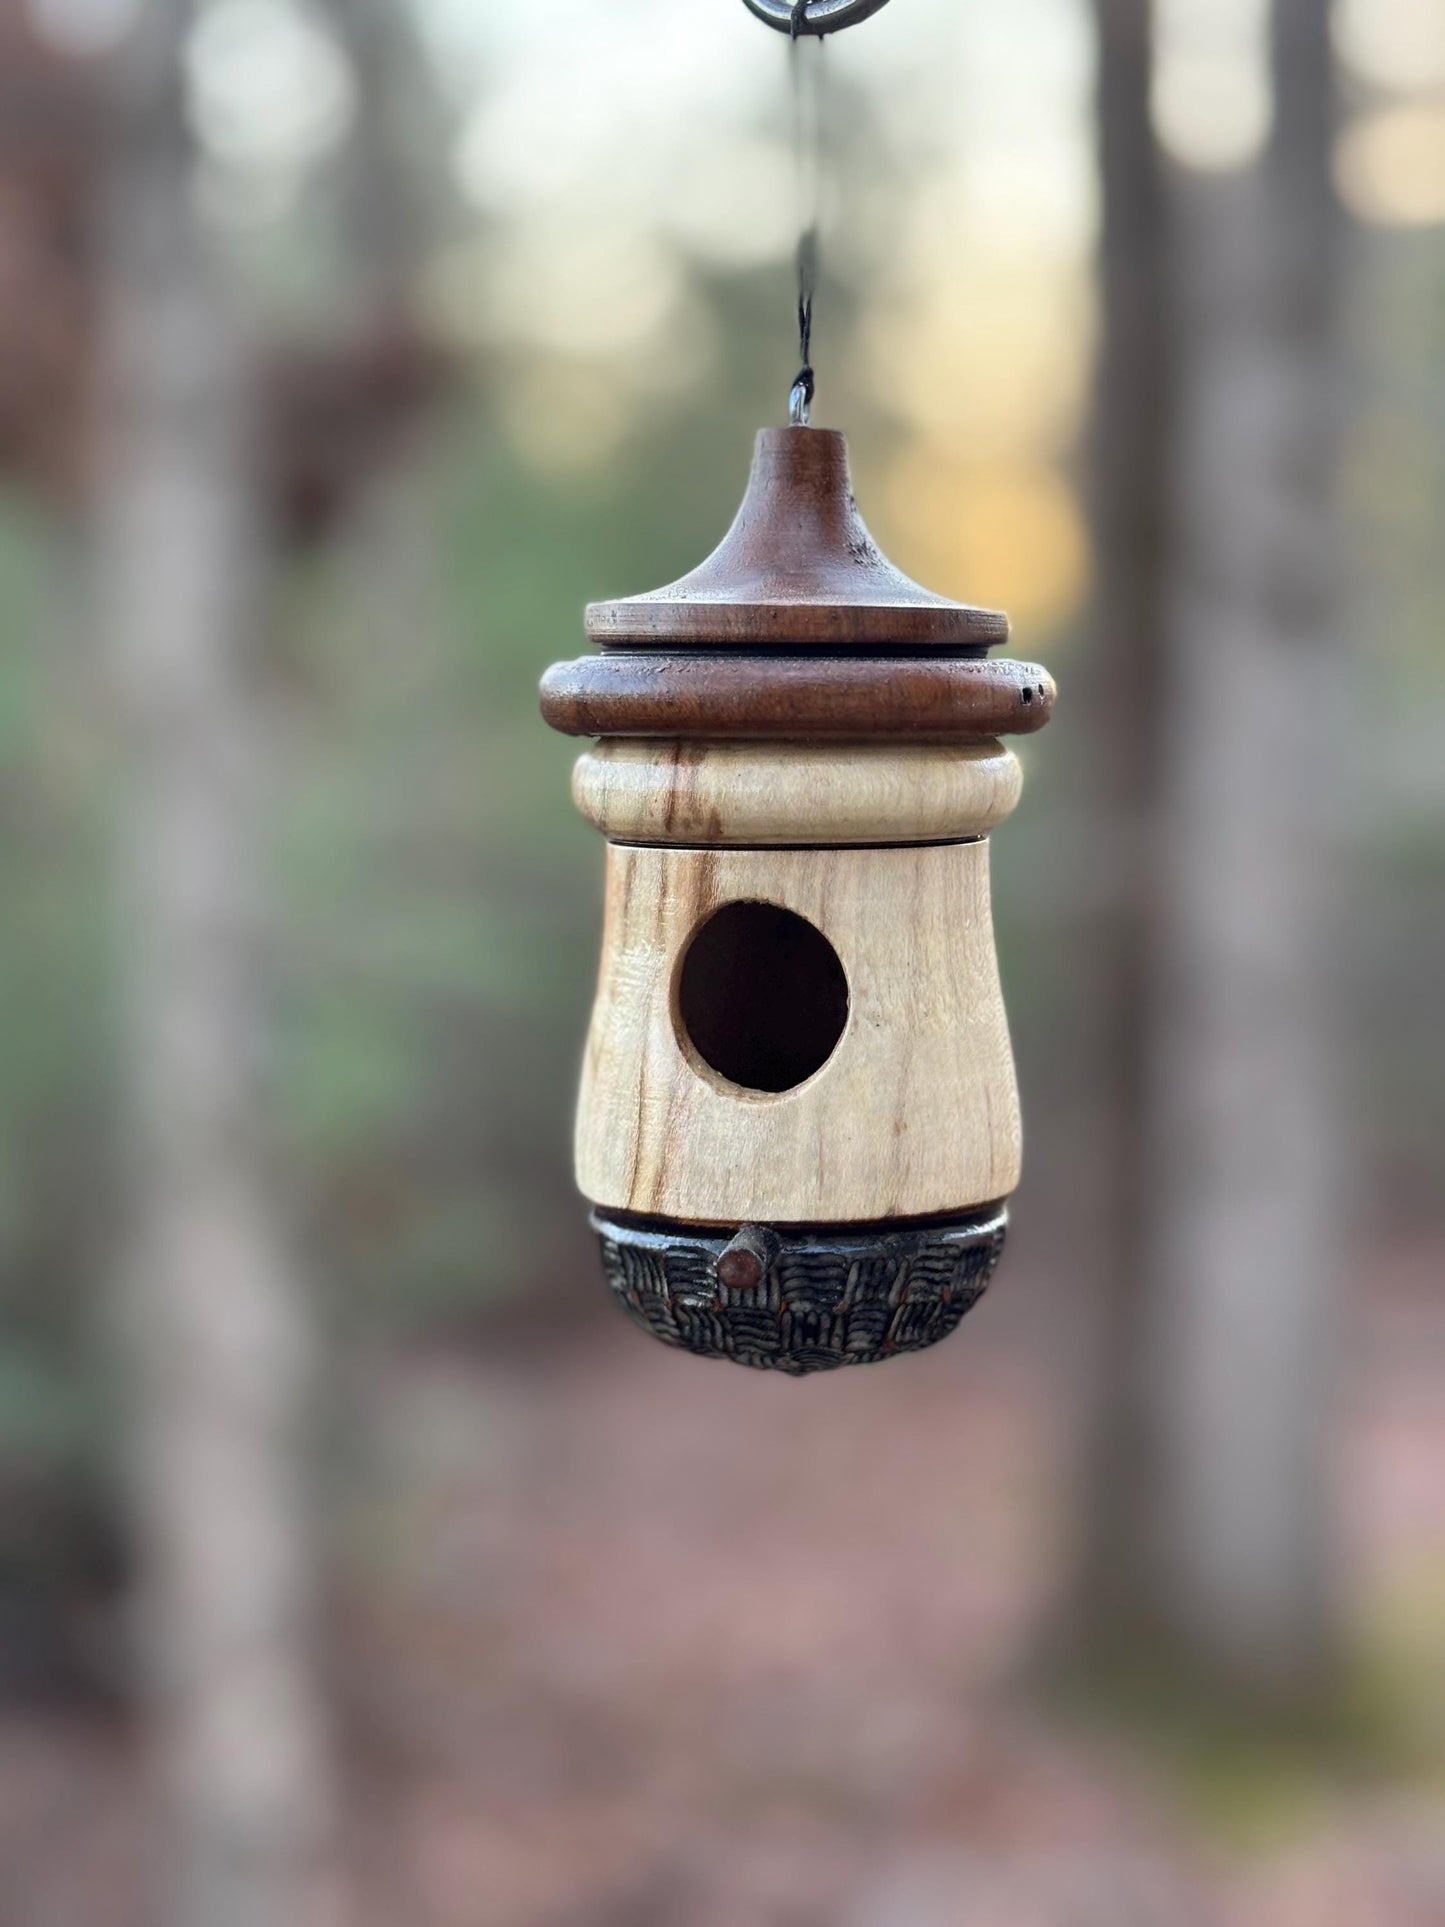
[(744, 1265)]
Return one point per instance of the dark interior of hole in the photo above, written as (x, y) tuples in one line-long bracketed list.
[(762, 996)]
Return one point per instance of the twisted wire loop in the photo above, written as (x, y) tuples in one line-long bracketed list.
[(800, 400), (808, 154), (815, 17)]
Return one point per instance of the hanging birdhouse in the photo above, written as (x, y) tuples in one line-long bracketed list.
[(799, 1123)]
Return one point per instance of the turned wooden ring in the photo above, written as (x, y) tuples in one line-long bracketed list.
[(928, 698), (811, 794)]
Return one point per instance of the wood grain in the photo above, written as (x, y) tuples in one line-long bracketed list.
[(838, 698), (914, 1115), (798, 793), (797, 569)]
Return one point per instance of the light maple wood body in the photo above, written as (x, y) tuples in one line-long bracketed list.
[(916, 1112), (757, 795)]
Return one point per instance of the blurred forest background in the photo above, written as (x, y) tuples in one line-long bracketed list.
[(356, 1563)]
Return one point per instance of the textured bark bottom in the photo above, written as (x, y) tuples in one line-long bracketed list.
[(849, 1296)]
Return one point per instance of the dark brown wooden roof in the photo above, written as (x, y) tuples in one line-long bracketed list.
[(797, 570)]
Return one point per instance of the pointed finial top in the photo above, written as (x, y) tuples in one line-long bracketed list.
[(797, 570)]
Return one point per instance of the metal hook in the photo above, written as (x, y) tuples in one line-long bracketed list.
[(813, 16)]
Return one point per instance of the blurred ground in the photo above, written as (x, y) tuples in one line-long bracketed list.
[(632, 1639)]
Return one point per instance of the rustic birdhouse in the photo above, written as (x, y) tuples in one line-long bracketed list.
[(799, 1124)]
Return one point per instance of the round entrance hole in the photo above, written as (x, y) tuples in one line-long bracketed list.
[(761, 996)]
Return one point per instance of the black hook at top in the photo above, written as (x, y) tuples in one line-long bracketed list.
[(817, 17)]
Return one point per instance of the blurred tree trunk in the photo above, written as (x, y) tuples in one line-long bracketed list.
[(389, 221), (1247, 1244), (1210, 1521), (215, 1328), (1132, 467)]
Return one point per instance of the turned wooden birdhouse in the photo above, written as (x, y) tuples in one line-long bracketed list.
[(799, 1123)]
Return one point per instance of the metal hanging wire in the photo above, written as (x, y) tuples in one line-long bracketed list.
[(815, 17), (800, 20)]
